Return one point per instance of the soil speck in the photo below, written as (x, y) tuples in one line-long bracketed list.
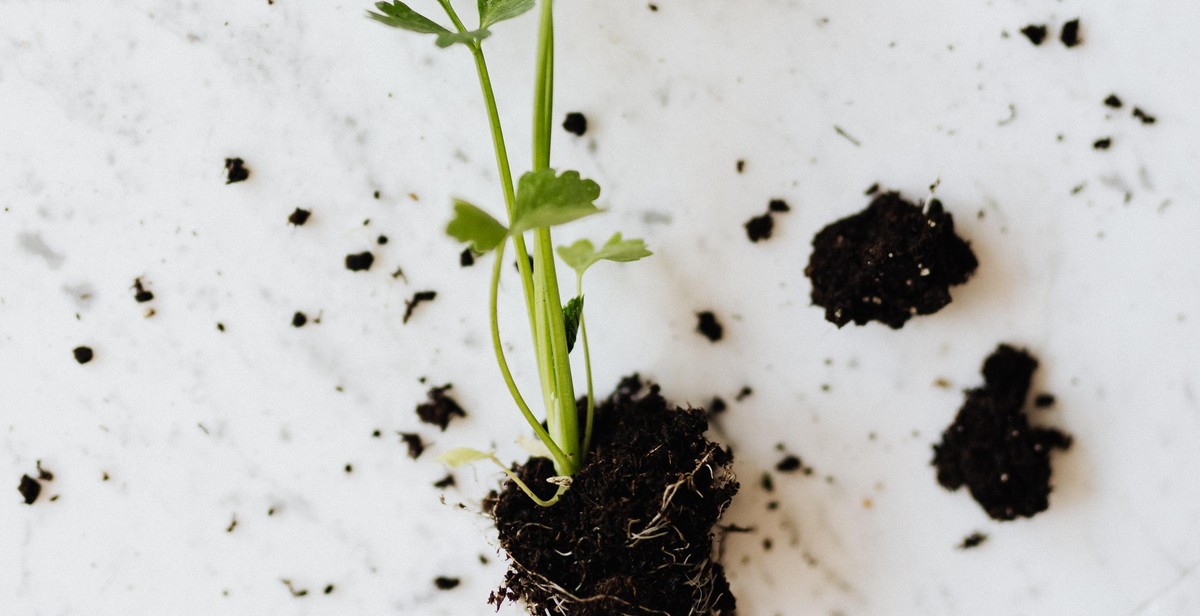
[(1070, 33), (415, 445), (235, 170), (359, 262), (575, 123), (440, 408), (29, 489), (446, 583), (973, 540), (417, 299), (299, 217), (299, 319), (760, 227), (83, 354), (708, 326), (1035, 33)]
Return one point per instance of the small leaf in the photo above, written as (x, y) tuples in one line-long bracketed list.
[(545, 199), (572, 312), (534, 447), (582, 254), (471, 224), (494, 11), (462, 456), (398, 15)]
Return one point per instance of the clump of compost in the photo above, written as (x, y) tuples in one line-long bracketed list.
[(991, 448), (633, 535), (888, 263)]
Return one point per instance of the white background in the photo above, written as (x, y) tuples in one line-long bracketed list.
[(115, 119)]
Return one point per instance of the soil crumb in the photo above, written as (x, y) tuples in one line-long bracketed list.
[(778, 205), (1113, 101), (360, 262), (440, 408), (973, 540), (29, 489), (141, 295), (299, 319), (417, 299), (235, 170), (634, 533), (446, 583), (888, 263), (991, 448), (83, 354), (1103, 143), (759, 228), (299, 217), (466, 259), (575, 123), (1035, 33), (1143, 116), (414, 443), (708, 326), (1070, 33)]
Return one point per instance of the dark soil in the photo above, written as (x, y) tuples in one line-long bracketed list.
[(440, 408), (235, 170), (299, 217), (1113, 101), (1070, 33), (991, 448), (888, 263), (760, 227), (29, 489), (1143, 116), (1103, 143), (83, 354), (633, 535), (446, 583), (973, 540), (359, 262), (417, 298), (778, 205), (466, 259), (708, 326), (1036, 34), (141, 295), (299, 319), (415, 445), (789, 464), (575, 123)]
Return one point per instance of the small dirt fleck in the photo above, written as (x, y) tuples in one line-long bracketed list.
[(1143, 116), (299, 319), (141, 295), (349, 468), (1044, 401), (741, 165), (417, 299), (446, 583), (575, 123), (778, 205), (466, 259), (1113, 101), (973, 540), (329, 589), (717, 406), (1070, 33), (381, 240), (440, 408), (235, 170), (220, 327), (1035, 33), (44, 474), (789, 464), (744, 393), (359, 262), (296, 592), (759, 228), (708, 326), (299, 217), (232, 525), (445, 482), (29, 489), (83, 354), (1103, 143), (415, 445), (767, 482)]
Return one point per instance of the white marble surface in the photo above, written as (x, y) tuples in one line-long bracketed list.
[(115, 118)]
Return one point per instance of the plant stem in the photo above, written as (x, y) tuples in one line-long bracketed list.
[(587, 366)]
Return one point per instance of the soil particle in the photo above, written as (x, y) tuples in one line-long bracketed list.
[(415, 445), (1043, 401), (446, 583), (717, 406), (973, 540), (359, 262), (575, 123), (634, 533), (83, 354), (29, 489), (1102, 143), (991, 448), (743, 393), (235, 170), (44, 474), (329, 589), (888, 263), (741, 166), (141, 295), (440, 408), (768, 484), (1070, 33), (708, 326), (299, 217), (299, 319), (296, 592), (381, 240), (778, 205), (789, 464), (417, 299), (445, 482), (1035, 33), (1143, 116), (466, 259), (760, 227), (1113, 101)]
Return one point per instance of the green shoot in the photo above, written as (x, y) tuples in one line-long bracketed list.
[(543, 198), (463, 456)]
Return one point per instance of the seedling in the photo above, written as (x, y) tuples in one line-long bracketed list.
[(541, 199)]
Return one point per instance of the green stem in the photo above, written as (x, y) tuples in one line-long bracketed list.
[(543, 94), (587, 366), (560, 404), (525, 488), (561, 460)]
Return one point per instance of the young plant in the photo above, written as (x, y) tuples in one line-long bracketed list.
[(541, 199)]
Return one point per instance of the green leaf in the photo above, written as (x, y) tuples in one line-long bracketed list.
[(399, 15), (545, 199), (582, 254), (471, 224), (572, 312), (462, 456), (494, 11)]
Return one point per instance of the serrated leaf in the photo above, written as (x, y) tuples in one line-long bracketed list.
[(462, 456), (583, 254), (545, 199), (471, 224), (572, 312), (398, 15), (495, 11)]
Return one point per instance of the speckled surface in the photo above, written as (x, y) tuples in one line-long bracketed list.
[(116, 118)]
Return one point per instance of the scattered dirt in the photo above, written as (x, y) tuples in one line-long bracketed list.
[(299, 319), (888, 263), (633, 535), (417, 298), (743, 393), (440, 408), (299, 217), (741, 165), (760, 227), (991, 448), (445, 482), (466, 259), (575, 123), (446, 583), (789, 464), (360, 262), (235, 170), (29, 489), (717, 406), (1103, 143), (141, 295), (1070, 34), (1113, 101), (708, 326), (415, 445), (83, 354), (973, 540), (1143, 116), (1035, 33), (1043, 401), (778, 205)]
